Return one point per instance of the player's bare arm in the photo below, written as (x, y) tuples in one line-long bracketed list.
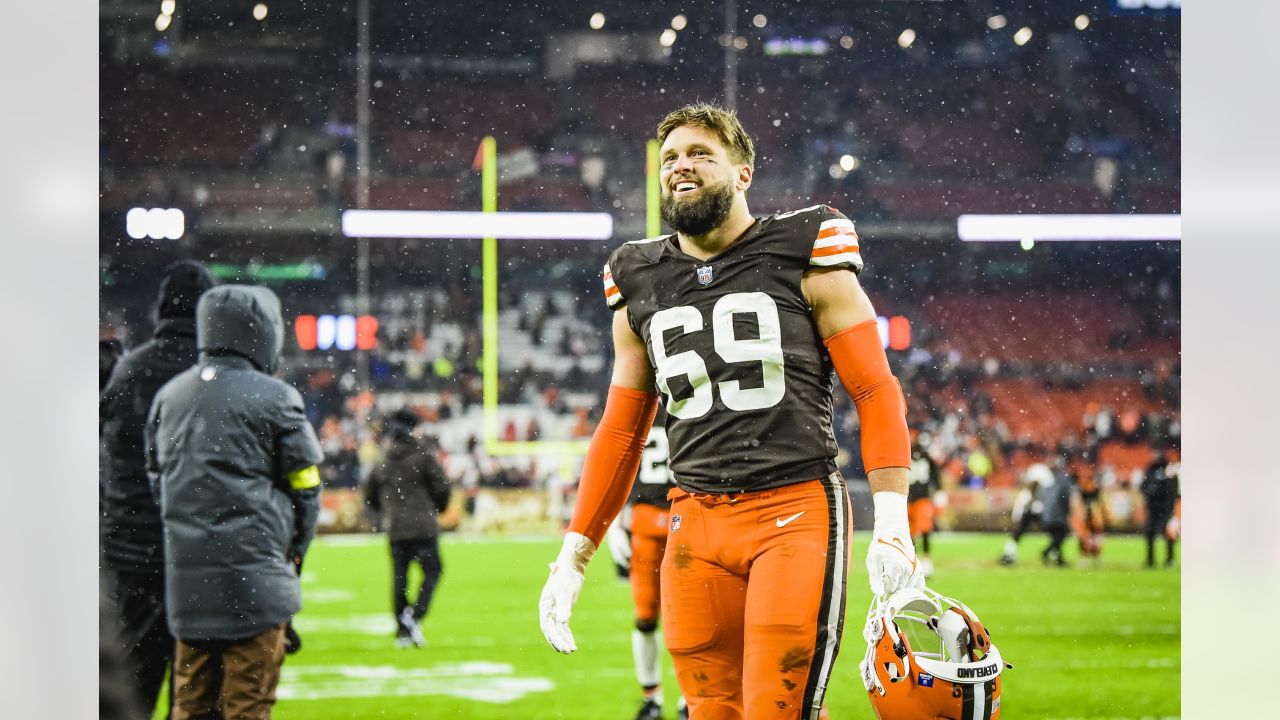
[(607, 475), (631, 368), (839, 303), (846, 321)]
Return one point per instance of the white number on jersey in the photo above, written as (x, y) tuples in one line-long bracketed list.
[(766, 350), (653, 464)]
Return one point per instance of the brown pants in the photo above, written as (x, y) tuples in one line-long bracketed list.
[(753, 598), (232, 679)]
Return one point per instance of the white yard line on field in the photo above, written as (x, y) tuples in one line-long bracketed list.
[(480, 681)]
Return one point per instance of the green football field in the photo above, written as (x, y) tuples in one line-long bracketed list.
[(1086, 643)]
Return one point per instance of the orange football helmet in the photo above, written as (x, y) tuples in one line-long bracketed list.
[(951, 673)]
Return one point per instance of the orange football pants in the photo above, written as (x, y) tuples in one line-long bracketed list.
[(754, 598), (920, 515), (648, 543)]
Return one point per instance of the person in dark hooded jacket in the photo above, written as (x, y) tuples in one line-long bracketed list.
[(132, 556), (233, 461), (407, 488)]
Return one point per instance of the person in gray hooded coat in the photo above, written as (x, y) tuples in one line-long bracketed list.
[(233, 460)]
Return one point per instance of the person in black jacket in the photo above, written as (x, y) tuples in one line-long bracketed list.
[(1160, 490), (407, 488), (233, 460), (133, 560)]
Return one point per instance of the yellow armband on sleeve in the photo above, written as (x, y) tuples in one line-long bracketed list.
[(304, 479)]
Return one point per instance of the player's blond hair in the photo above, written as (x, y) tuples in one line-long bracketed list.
[(724, 123)]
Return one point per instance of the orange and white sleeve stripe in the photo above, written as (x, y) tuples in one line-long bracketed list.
[(612, 294), (836, 244)]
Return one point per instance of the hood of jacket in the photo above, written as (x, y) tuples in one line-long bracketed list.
[(180, 289), (400, 447), (242, 320)]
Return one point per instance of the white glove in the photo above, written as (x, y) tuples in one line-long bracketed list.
[(619, 540), (561, 591), (891, 558)]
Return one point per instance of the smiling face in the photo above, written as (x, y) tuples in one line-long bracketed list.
[(699, 180)]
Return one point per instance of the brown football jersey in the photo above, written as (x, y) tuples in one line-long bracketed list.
[(922, 481), (745, 377)]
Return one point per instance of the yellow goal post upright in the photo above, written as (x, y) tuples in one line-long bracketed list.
[(569, 452)]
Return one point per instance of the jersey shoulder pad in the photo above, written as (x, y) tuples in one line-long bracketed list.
[(623, 260), (830, 238)]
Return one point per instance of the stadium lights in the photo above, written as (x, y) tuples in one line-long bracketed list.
[(846, 42), (462, 224), (796, 46), (260, 12), (679, 22), (597, 21), (996, 22), (162, 22), (849, 163), (895, 332), (1082, 22), (1022, 36), (341, 332), (907, 37), (759, 21), (168, 6), (668, 38), (1039, 228), (154, 223)]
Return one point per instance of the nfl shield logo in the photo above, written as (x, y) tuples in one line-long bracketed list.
[(926, 680), (704, 275), (675, 523)]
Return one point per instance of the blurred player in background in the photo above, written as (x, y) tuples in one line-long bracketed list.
[(637, 541), (738, 322), (1088, 519), (1057, 498), (1028, 507), (922, 508)]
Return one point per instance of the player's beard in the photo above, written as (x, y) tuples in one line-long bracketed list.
[(699, 215)]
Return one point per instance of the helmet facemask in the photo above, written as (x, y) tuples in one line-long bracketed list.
[(926, 652)]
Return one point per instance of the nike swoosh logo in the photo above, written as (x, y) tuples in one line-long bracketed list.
[(897, 545), (783, 523)]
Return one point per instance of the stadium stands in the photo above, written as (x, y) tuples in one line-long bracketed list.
[(1011, 355)]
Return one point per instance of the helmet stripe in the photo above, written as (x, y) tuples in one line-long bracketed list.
[(976, 702)]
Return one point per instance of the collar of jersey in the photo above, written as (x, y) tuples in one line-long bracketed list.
[(673, 245)]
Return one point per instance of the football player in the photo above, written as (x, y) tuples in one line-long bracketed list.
[(737, 322), (921, 507), (1088, 521), (1027, 507), (637, 541)]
